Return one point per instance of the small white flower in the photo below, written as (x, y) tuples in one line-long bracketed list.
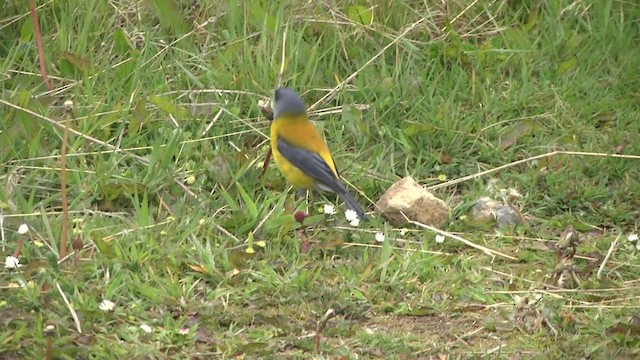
[(146, 328), (439, 238), (107, 305), (329, 209), (350, 215), (23, 229), (11, 262), (355, 222), (514, 194), (403, 232), (183, 331), (632, 237), (379, 236), (264, 103), (517, 299)]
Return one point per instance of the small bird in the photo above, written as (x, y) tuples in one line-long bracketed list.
[(301, 153)]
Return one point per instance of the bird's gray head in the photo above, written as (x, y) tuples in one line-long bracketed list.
[(287, 102)]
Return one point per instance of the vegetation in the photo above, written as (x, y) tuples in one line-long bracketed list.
[(178, 248)]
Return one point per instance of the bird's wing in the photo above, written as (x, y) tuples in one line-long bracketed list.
[(311, 163)]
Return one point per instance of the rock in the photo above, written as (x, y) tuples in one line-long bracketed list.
[(484, 209), (506, 216), (418, 204), (487, 209)]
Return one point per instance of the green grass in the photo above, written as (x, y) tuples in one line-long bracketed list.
[(175, 87)]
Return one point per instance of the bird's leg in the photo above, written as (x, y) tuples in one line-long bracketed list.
[(306, 244), (311, 199), (304, 195)]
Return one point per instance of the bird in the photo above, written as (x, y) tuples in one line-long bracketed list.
[(301, 153)]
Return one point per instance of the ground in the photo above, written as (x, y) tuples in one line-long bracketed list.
[(179, 247)]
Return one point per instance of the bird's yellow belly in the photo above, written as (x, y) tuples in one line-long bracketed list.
[(293, 175)]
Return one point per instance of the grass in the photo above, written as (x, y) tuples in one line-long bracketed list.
[(165, 194)]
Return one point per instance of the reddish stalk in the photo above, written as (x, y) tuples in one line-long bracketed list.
[(36, 28)]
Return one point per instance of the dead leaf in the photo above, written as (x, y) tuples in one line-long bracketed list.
[(85, 340), (605, 116), (518, 131), (266, 109), (199, 268), (78, 62), (594, 233), (596, 204), (541, 245), (566, 66), (474, 307), (367, 272), (631, 329), (305, 246), (194, 319), (205, 336), (445, 158), (570, 196), (594, 259), (620, 148), (333, 244), (239, 258)]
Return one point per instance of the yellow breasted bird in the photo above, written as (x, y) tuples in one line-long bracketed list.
[(301, 153)]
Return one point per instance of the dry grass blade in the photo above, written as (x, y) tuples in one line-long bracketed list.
[(331, 93), (376, 246), (64, 231), (93, 140), (529, 159), (486, 250), (76, 320), (606, 258)]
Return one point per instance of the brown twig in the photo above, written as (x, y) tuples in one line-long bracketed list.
[(36, 29), (49, 329), (19, 249), (322, 323)]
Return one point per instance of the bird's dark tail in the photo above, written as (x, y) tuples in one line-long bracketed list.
[(352, 203)]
